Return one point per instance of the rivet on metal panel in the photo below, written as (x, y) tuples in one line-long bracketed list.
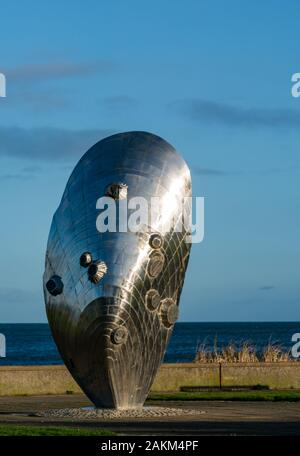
[(55, 285), (156, 263), (96, 271), (168, 312), (155, 241), (152, 299), (86, 259), (119, 336), (117, 190)]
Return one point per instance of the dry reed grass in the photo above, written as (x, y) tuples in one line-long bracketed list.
[(244, 353)]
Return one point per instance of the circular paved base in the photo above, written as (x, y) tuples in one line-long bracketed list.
[(92, 413)]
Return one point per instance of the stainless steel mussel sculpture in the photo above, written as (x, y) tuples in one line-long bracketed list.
[(112, 297)]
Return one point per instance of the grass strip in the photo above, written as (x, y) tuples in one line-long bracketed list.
[(63, 431), (290, 396)]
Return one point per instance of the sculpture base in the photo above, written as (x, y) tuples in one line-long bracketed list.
[(97, 413)]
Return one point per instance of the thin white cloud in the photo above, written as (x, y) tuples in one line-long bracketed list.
[(48, 144), (207, 111), (54, 70)]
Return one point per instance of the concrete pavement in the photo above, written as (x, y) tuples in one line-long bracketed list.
[(219, 418)]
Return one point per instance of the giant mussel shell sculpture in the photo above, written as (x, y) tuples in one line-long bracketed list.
[(112, 297)]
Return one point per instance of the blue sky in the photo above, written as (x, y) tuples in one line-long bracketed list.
[(212, 78)]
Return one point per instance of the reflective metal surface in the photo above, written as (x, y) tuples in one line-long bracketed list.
[(112, 298)]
